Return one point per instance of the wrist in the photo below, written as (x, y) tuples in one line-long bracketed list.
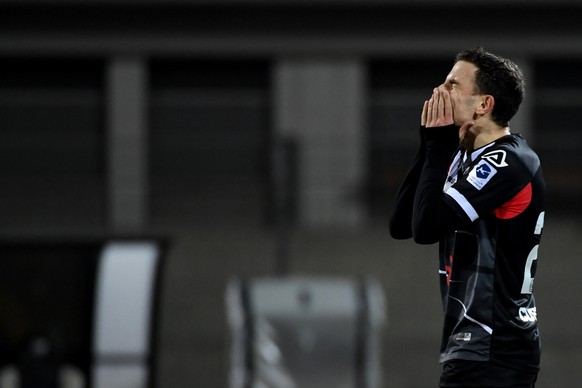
[(447, 135)]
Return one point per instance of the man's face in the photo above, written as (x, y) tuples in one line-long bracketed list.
[(460, 83)]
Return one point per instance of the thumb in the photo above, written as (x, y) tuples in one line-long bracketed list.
[(465, 127)]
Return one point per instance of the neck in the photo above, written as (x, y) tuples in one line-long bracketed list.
[(485, 134)]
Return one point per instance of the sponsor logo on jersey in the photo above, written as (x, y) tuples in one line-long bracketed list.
[(466, 337), (481, 174), (496, 158), (528, 315)]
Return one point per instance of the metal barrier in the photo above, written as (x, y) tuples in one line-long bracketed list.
[(305, 332)]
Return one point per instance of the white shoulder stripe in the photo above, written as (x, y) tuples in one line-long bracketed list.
[(463, 203)]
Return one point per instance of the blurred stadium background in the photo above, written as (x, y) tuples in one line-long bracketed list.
[(266, 137)]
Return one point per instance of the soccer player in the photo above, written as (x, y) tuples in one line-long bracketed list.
[(478, 190)]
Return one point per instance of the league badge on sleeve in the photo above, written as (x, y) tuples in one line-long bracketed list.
[(481, 174)]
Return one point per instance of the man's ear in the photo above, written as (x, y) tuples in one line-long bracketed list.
[(486, 104)]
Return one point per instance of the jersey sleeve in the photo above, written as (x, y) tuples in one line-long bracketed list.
[(401, 217), (495, 178)]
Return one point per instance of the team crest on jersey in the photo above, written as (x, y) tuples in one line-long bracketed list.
[(496, 158), (481, 174)]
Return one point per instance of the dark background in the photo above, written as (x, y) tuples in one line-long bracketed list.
[(201, 171)]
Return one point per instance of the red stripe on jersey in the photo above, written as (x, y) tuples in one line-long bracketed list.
[(516, 205)]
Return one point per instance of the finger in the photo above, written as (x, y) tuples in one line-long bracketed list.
[(448, 108), (433, 110), (424, 113), (466, 126), (440, 112), (430, 110)]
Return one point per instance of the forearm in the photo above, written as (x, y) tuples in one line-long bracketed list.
[(401, 217), (432, 218)]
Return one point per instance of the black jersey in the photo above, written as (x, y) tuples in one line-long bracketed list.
[(487, 271), (488, 260)]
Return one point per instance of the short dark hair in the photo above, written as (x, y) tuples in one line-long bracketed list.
[(498, 77)]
